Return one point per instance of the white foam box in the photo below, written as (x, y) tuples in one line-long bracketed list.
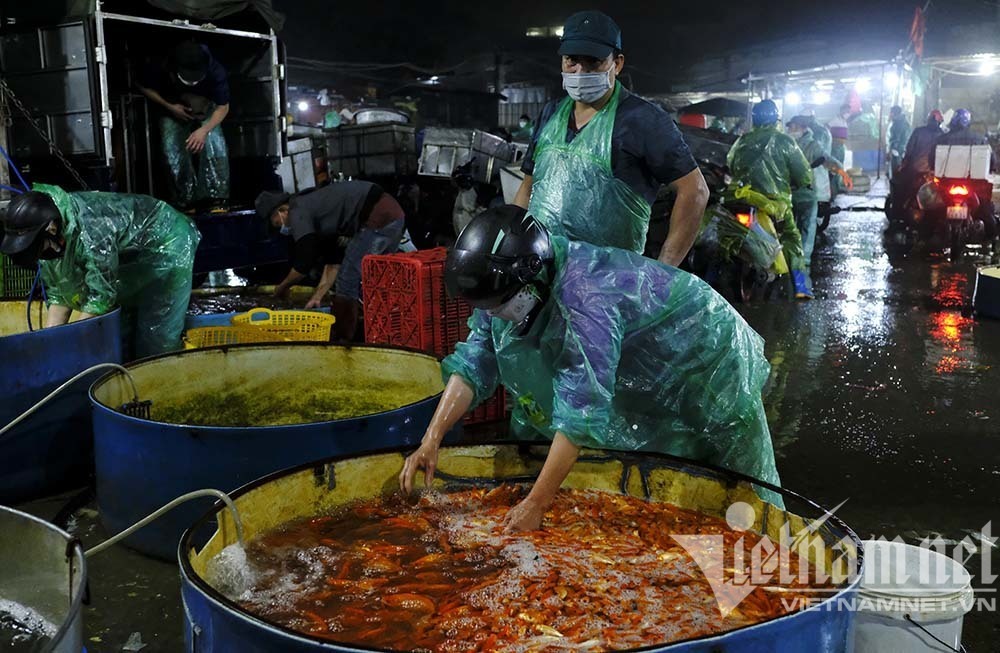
[(962, 161)]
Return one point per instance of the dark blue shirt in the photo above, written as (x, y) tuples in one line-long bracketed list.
[(215, 86), (647, 149)]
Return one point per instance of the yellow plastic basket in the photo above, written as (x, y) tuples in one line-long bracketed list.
[(291, 325), (228, 335)]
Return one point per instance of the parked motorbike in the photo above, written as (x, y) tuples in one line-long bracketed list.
[(954, 212)]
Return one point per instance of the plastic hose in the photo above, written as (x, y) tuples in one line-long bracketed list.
[(11, 189), (31, 295), (52, 395), (197, 494)]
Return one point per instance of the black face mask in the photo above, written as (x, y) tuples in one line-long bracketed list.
[(53, 251), (29, 258)]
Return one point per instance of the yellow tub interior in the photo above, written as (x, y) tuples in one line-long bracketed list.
[(276, 373), (321, 490), (14, 320)]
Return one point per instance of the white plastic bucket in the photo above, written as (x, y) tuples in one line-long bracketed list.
[(903, 584)]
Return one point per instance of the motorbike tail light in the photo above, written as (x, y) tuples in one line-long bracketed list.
[(958, 190), (745, 219)]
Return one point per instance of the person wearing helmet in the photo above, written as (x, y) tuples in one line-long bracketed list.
[(899, 135), (917, 161), (920, 147), (771, 163), (600, 348), (102, 250), (960, 133), (600, 154), (191, 89)]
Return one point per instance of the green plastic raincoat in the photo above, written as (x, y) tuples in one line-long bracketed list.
[(195, 177), (132, 251), (899, 135), (633, 355), (821, 134), (575, 193), (771, 163)]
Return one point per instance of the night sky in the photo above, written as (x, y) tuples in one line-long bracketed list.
[(658, 37)]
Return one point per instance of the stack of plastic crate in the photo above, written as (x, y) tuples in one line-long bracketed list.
[(406, 305), (15, 281)]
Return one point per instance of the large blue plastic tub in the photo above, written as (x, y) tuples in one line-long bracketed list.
[(51, 450), (143, 464)]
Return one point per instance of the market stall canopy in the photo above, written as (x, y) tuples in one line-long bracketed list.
[(719, 107)]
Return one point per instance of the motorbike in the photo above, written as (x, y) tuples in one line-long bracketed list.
[(738, 247), (954, 212)]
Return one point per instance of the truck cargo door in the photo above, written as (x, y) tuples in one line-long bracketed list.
[(50, 70)]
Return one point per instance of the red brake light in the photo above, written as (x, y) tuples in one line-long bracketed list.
[(958, 190), (744, 219)]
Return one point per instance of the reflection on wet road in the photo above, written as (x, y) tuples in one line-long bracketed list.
[(883, 392)]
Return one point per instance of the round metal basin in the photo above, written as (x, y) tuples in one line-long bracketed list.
[(215, 623), (52, 449), (143, 464), (44, 572)]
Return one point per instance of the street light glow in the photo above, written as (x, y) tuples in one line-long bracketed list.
[(793, 99), (303, 105), (863, 85), (821, 97), (891, 79), (988, 67)]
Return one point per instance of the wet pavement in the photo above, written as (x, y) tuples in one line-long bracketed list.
[(882, 393), (885, 393)]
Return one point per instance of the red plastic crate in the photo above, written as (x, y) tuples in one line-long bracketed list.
[(406, 304)]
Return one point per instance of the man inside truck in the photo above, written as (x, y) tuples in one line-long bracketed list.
[(192, 90)]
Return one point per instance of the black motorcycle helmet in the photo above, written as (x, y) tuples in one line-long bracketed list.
[(498, 253), (28, 214)]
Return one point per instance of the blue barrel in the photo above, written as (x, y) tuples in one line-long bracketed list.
[(215, 623), (143, 464), (52, 449)]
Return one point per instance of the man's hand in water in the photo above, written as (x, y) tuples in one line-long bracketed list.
[(424, 458), (525, 516)]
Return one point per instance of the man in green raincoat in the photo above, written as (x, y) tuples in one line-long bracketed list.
[(600, 155), (899, 135), (805, 200), (600, 348), (771, 163), (102, 250)]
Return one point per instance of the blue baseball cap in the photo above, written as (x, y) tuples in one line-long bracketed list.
[(590, 34)]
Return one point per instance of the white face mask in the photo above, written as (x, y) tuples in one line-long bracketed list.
[(522, 124), (587, 87), (517, 308)]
